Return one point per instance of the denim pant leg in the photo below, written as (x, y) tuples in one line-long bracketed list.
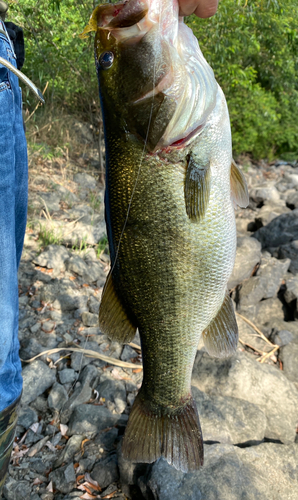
[(13, 213)]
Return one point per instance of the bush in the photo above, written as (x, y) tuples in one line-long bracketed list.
[(252, 47)]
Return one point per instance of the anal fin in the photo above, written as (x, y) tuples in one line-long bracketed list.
[(113, 319), (175, 435), (239, 191), (221, 335), (197, 188)]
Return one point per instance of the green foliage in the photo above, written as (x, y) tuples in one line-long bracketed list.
[(252, 47), (55, 54)]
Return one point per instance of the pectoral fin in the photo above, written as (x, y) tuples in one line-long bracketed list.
[(197, 188), (221, 336), (113, 319), (239, 191)]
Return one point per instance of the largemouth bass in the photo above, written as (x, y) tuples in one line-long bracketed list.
[(171, 187)]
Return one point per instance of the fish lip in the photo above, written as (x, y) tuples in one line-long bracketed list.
[(180, 143)]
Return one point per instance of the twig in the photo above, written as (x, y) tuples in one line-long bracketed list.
[(255, 328), (251, 347), (88, 353), (265, 356)]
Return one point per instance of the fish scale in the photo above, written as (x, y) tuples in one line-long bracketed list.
[(171, 187)]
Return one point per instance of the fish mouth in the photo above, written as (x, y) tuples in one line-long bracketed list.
[(188, 80)]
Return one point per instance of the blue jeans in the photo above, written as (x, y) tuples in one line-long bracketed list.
[(13, 214)]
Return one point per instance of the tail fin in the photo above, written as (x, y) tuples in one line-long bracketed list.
[(176, 436)]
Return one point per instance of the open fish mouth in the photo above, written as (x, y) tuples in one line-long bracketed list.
[(188, 80)]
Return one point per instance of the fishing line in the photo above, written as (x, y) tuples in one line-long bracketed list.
[(142, 156)]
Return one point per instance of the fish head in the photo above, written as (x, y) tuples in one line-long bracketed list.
[(145, 63)]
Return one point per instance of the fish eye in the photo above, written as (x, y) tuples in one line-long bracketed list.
[(106, 60)]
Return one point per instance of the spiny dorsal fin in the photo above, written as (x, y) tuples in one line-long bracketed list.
[(239, 191), (113, 319), (197, 188), (221, 335)]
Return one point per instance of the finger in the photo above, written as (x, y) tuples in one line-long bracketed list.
[(201, 8)]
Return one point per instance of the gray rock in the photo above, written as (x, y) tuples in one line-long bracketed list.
[(73, 445), (64, 478), (289, 357), (270, 211), (79, 361), (67, 376), (292, 198), (49, 200), (82, 233), (281, 230), (267, 472), (291, 292), (247, 256), (290, 251), (128, 353), (27, 416), (106, 471), (95, 270), (88, 419), (68, 302), (84, 136), (272, 271), (251, 291), (82, 393), (229, 420), (53, 257), (37, 378), (66, 195), (30, 348), (283, 337), (113, 390), (93, 305), (268, 308), (85, 181), (89, 319), (57, 397), (16, 490), (291, 178), (77, 265), (265, 192), (242, 377)]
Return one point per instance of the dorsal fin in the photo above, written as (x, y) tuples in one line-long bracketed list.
[(239, 191)]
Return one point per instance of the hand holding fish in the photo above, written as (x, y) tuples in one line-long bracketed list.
[(201, 8)]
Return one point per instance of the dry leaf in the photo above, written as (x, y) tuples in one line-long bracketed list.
[(34, 427), (110, 495), (51, 446), (87, 496), (37, 481), (94, 483)]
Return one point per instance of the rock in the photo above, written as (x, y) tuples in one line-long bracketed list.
[(128, 353), (251, 291), (242, 377), (73, 445), (291, 292), (49, 200), (290, 251), (89, 319), (229, 420), (281, 230), (270, 211), (79, 361), (82, 393), (67, 302), (271, 272), (37, 378), (85, 181), (95, 270), (268, 308), (113, 390), (16, 490), (84, 136), (247, 256), (57, 397), (264, 192), (289, 357), (262, 472), (67, 376), (88, 419), (66, 195), (30, 348), (53, 257), (64, 478), (27, 416), (106, 471), (93, 305), (77, 265), (291, 178), (292, 199), (282, 338)]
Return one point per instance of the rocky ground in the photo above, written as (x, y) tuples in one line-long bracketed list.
[(76, 403)]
